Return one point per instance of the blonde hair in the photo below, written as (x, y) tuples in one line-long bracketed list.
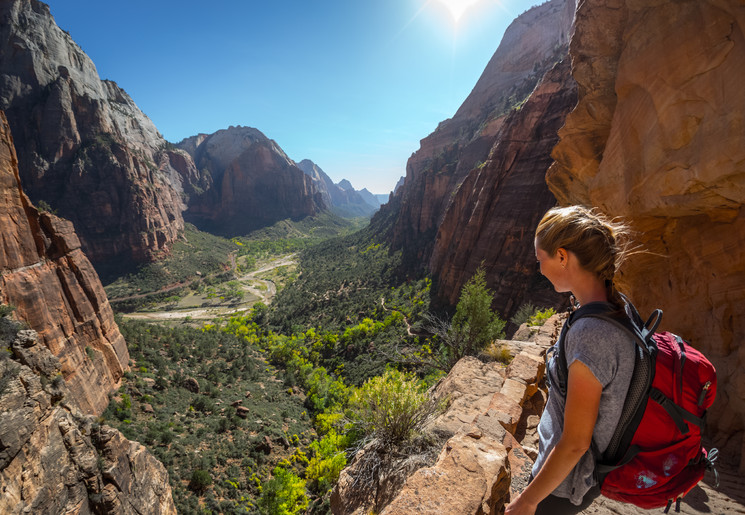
[(600, 244)]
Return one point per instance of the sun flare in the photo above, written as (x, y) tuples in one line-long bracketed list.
[(458, 7)]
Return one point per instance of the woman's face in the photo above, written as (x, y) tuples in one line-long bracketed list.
[(553, 268)]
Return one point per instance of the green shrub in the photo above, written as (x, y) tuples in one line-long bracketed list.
[(473, 327), (540, 316), (391, 407), (328, 461), (124, 408), (523, 314), (6, 309), (284, 494), (200, 480)]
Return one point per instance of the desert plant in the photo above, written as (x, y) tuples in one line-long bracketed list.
[(284, 494), (540, 316), (6, 309), (200, 480), (328, 461), (392, 407), (523, 314), (497, 352), (473, 327)]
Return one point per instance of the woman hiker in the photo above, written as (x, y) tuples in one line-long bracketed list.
[(579, 251)]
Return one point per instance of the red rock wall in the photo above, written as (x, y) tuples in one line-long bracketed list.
[(83, 145), (54, 288), (657, 137), (531, 45), (492, 217), (255, 183)]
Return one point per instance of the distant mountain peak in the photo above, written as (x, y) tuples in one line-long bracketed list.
[(345, 185), (342, 197)]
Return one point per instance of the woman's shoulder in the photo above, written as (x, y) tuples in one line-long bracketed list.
[(598, 330), (601, 345)]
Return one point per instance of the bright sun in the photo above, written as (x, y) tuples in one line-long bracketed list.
[(458, 7)]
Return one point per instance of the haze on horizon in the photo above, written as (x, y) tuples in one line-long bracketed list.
[(352, 86)]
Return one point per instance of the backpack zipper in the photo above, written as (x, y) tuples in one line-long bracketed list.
[(702, 396)]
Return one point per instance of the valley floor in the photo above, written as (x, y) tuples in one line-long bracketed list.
[(257, 285)]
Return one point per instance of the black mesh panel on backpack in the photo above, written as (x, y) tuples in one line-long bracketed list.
[(636, 400)]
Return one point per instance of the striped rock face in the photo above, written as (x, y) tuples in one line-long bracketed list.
[(56, 291)]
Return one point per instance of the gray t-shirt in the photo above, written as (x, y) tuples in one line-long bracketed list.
[(608, 351)]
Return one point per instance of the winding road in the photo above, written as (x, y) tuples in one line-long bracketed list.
[(265, 293)]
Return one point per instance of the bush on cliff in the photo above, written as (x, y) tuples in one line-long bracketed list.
[(392, 408), (284, 494), (473, 327)]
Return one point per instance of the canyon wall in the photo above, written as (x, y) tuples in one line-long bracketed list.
[(531, 45), (657, 138), (54, 288), (492, 216), (255, 184), (54, 459), (340, 198), (84, 147)]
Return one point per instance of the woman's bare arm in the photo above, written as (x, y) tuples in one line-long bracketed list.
[(583, 400)]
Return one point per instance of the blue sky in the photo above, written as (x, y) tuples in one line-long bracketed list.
[(351, 85)]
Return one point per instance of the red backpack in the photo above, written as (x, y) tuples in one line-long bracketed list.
[(655, 456)]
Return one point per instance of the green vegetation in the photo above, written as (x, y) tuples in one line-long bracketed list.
[(197, 254), (9, 369), (216, 459), (200, 261), (315, 228), (340, 361), (541, 315), (284, 494), (523, 314), (6, 310), (341, 281), (44, 207), (392, 408), (474, 323), (529, 314), (473, 327)]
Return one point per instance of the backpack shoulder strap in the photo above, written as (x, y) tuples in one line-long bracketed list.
[(602, 310), (631, 321)]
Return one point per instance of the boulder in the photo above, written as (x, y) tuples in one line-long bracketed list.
[(191, 384)]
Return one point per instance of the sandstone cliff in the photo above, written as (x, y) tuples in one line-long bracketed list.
[(341, 199), (657, 137), (531, 45), (254, 182), (491, 218), (53, 459), (490, 432), (83, 146), (46, 276)]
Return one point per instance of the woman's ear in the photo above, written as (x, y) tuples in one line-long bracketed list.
[(562, 254)]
